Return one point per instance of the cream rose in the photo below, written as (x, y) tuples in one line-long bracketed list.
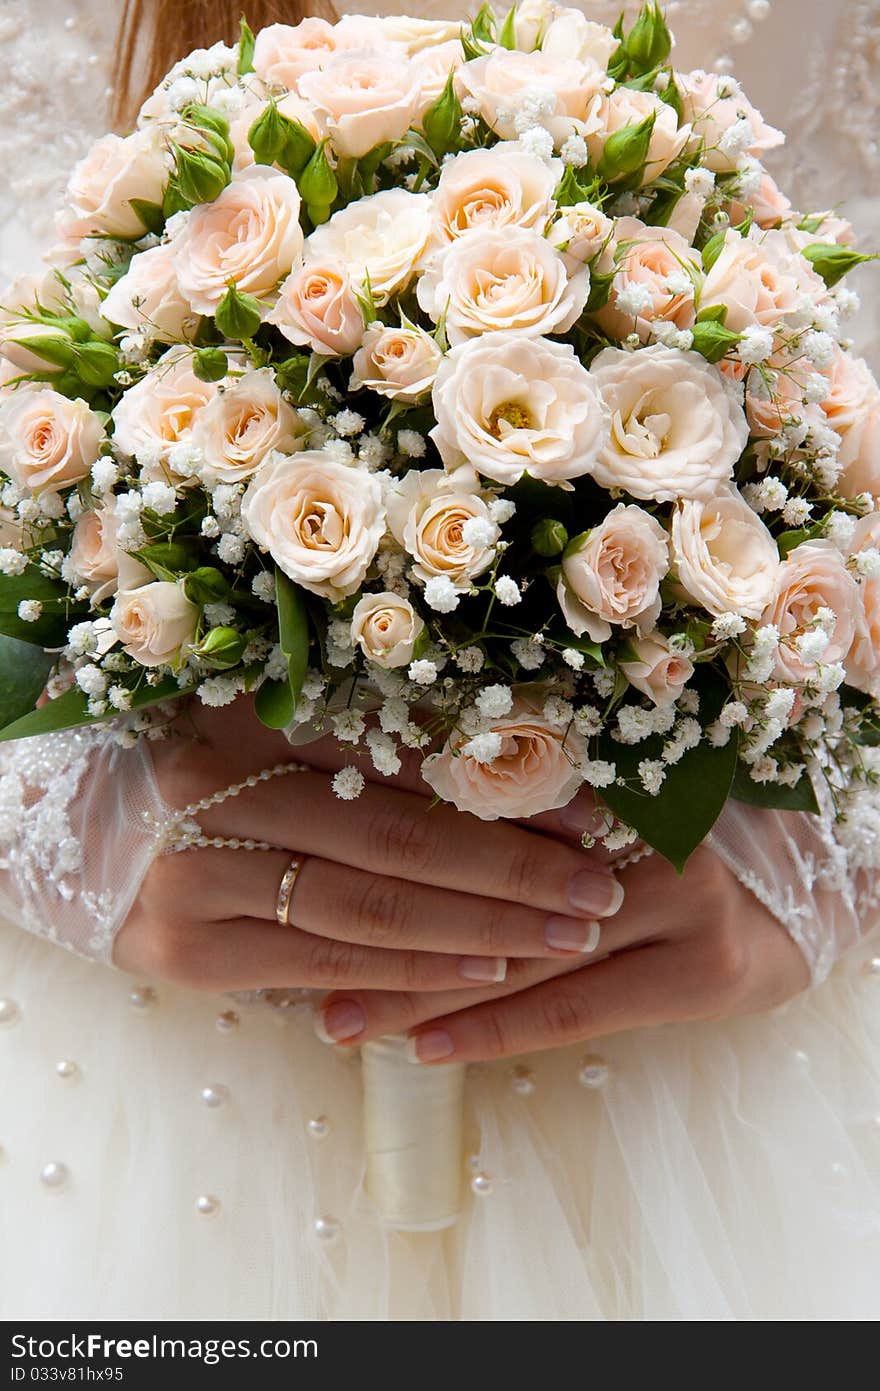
[(96, 560), (380, 238), (321, 522), (501, 187), (47, 441), (147, 298), (503, 81), (612, 574), (712, 115), (21, 339), (724, 556), (859, 456), (536, 768), (117, 169), (249, 234), (428, 512), (284, 53), (160, 410), (413, 34), (582, 231), (531, 18), (863, 658), (509, 280), (813, 577), (386, 628), (769, 206), (663, 266), (571, 35), (317, 308), (608, 114), (241, 425), (852, 408), (677, 428), (362, 100), (400, 363), (758, 281), (656, 670), (512, 406), (155, 623), (432, 68)]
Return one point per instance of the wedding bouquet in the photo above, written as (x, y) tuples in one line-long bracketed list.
[(472, 390)]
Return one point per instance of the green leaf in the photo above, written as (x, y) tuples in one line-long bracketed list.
[(507, 34), (50, 629), (712, 340), (150, 214), (293, 630), (167, 560), (274, 704), (693, 793), (801, 797), (72, 709), (246, 44), (833, 262), (713, 249), (206, 585), (23, 673)]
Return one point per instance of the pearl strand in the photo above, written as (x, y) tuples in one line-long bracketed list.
[(181, 830)]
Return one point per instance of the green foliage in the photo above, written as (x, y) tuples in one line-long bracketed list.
[(23, 673), (833, 262), (549, 537), (210, 364), (626, 151), (238, 315), (276, 701), (801, 797), (71, 710), (50, 629), (246, 44)]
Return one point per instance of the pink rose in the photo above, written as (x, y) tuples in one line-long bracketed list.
[(500, 187), (852, 408), (656, 261), (317, 308), (363, 100), (432, 67), (758, 281), (400, 363), (47, 441), (724, 556), (536, 767), (863, 659), (656, 670), (611, 575), (98, 201), (147, 298), (769, 205), (715, 106), (813, 577)]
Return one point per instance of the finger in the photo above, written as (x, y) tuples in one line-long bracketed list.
[(639, 988), (400, 835), (352, 905), (356, 1016)]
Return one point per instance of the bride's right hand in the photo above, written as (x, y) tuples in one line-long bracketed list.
[(393, 894)]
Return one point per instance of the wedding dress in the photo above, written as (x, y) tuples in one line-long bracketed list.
[(172, 1155)]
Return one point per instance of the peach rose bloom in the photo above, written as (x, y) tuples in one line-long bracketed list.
[(508, 280), (321, 522), (101, 187), (785, 403), (399, 363), (581, 232), (284, 53), (612, 574), (814, 576), (363, 100), (724, 556), (654, 669), (96, 559), (649, 257), (47, 441), (712, 115), (386, 628), (501, 82), (249, 234), (409, 32), (241, 425), (607, 114), (769, 205), (432, 67), (317, 308), (571, 35), (381, 238), (147, 298), (852, 391), (509, 405), (859, 456), (676, 428), (501, 187), (863, 659), (536, 770), (427, 513), (155, 623), (160, 410), (760, 279)]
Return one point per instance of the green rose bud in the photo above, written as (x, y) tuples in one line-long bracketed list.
[(626, 150), (206, 585), (96, 363), (712, 340), (649, 42), (215, 129), (442, 120), (833, 262), (317, 185), (55, 349), (238, 315), (199, 177), (210, 364), (267, 136), (549, 537), (221, 648)]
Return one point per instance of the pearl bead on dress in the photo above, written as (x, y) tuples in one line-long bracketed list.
[(327, 1228), (54, 1175), (67, 1069), (482, 1185), (319, 1127), (594, 1072), (214, 1095), (9, 1012), (207, 1205), (142, 997)]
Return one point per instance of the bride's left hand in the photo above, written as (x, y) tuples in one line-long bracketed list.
[(696, 946)]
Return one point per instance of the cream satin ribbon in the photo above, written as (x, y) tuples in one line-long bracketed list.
[(413, 1123)]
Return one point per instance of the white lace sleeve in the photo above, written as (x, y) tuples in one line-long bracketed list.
[(76, 837), (817, 875)]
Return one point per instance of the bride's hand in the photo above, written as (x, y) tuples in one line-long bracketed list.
[(392, 895), (699, 946)]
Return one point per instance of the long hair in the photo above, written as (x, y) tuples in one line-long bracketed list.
[(154, 34)]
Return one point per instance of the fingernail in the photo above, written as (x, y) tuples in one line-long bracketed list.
[(489, 969), (429, 1047), (567, 934), (341, 1020), (580, 817), (595, 893)]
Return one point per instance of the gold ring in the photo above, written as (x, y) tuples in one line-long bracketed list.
[(285, 890)]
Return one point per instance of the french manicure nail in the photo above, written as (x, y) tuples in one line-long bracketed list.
[(489, 969), (341, 1020), (595, 893), (582, 817), (567, 934), (429, 1047)]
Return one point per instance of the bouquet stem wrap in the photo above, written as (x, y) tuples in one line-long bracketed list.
[(413, 1124)]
